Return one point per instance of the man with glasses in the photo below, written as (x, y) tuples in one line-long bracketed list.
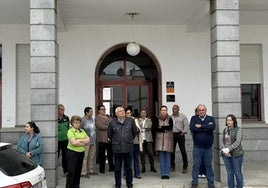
[(122, 130), (102, 123)]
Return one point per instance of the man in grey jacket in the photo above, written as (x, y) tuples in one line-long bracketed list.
[(122, 130)]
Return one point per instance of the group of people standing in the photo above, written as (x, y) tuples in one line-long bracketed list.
[(128, 139)]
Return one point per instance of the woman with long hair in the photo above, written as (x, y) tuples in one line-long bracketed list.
[(31, 143), (232, 152)]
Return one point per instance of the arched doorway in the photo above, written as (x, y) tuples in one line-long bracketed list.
[(123, 80)]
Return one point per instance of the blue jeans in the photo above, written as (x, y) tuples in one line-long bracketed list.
[(118, 160), (234, 168), (200, 154), (164, 160), (202, 169), (136, 158)]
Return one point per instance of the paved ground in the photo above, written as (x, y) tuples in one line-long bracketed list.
[(255, 175)]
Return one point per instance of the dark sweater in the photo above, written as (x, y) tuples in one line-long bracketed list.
[(203, 137)]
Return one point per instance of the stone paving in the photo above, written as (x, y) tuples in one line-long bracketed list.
[(255, 175)]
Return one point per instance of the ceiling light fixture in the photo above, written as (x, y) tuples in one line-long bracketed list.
[(133, 48)]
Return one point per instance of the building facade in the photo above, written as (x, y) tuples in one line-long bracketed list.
[(222, 65)]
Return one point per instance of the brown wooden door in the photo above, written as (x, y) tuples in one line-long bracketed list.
[(127, 81), (135, 95)]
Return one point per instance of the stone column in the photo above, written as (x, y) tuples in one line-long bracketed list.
[(225, 71), (44, 80)]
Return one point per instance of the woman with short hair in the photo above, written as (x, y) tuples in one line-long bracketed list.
[(78, 139)]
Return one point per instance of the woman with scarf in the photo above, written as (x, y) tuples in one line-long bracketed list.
[(164, 141)]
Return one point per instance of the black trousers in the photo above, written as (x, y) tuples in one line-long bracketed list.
[(180, 139), (102, 157), (119, 158), (74, 162), (147, 149), (62, 147)]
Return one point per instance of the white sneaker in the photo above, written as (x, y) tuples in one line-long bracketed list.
[(203, 176), (200, 176)]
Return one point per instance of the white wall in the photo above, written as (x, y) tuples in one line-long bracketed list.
[(184, 58), (10, 35)]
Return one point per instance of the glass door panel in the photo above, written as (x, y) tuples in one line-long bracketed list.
[(112, 97), (137, 98), (113, 71)]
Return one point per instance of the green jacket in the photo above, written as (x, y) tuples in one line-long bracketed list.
[(63, 127)]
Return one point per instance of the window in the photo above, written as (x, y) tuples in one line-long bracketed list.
[(251, 77), (120, 70), (16, 165), (251, 102)]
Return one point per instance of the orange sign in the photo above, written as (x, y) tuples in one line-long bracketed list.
[(170, 87)]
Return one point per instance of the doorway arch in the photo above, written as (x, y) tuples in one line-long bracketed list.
[(134, 82)]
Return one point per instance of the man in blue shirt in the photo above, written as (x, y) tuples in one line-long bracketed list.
[(90, 149)]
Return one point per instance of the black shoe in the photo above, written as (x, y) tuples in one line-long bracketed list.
[(164, 177), (153, 169), (85, 176), (138, 177), (102, 171), (143, 170), (194, 186), (130, 186), (93, 173), (184, 170)]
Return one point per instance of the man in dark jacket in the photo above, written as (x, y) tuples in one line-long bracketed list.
[(202, 127), (121, 132)]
